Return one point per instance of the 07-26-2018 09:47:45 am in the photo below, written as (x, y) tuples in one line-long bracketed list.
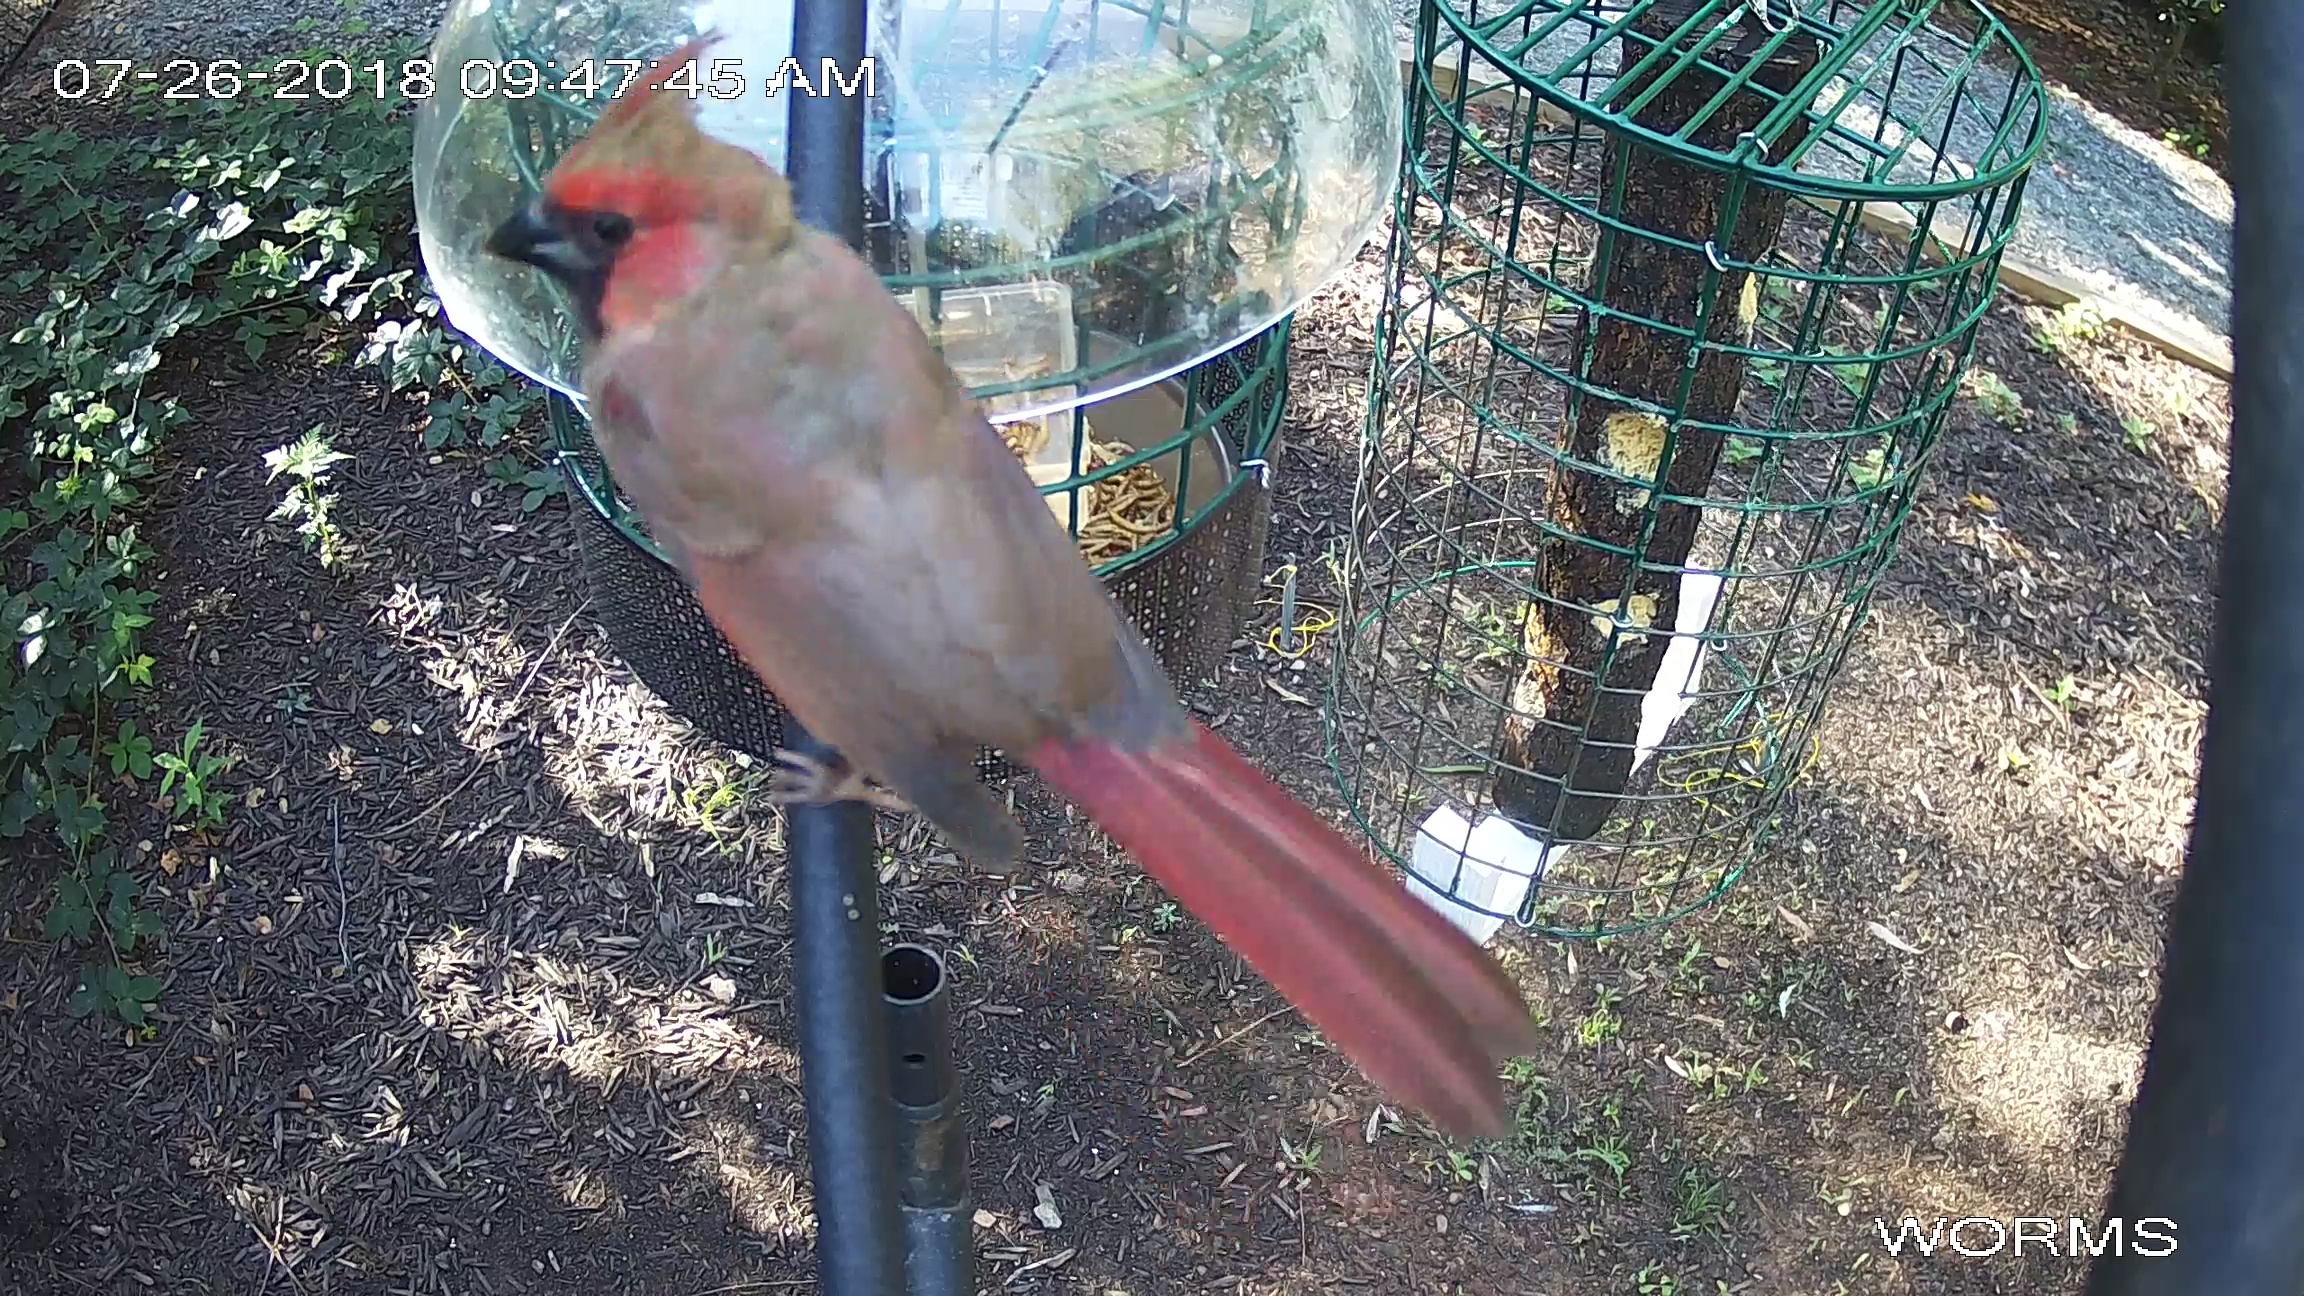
[(334, 79)]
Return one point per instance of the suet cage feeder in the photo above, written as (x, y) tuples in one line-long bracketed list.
[(1679, 294), (1100, 211)]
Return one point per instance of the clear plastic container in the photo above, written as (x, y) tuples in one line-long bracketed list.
[(1158, 180)]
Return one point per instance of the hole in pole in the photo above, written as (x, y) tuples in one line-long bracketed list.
[(910, 974)]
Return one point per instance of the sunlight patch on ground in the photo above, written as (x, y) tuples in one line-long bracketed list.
[(765, 1196), (634, 770), (538, 1011), (2016, 1075), (2126, 781)]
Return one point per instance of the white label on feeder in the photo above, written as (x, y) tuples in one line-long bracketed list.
[(1676, 676), (1491, 866), (1460, 868), (965, 190)]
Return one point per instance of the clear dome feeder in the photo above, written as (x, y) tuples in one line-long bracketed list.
[(1074, 200), (1100, 212)]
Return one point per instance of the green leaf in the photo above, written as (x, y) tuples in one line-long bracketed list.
[(85, 999), (131, 752), (71, 912), (78, 820), (119, 901)]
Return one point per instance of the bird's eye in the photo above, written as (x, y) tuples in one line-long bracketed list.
[(613, 229)]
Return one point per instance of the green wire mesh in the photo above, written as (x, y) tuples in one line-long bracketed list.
[(1679, 295)]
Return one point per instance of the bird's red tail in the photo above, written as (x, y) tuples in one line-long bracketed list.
[(1409, 998)]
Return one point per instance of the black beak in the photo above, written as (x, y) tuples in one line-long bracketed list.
[(539, 234)]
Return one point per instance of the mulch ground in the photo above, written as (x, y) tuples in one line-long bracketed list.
[(482, 987)]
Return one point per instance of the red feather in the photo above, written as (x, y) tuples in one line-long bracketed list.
[(1420, 1008)]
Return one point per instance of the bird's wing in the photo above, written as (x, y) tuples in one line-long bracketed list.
[(860, 534)]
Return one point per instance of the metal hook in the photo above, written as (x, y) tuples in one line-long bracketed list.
[(1760, 10), (1262, 469), (1758, 144), (1712, 254)]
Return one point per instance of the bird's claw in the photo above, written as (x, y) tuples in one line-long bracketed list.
[(804, 780)]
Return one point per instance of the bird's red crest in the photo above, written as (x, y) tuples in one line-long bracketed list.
[(625, 163), (624, 108)]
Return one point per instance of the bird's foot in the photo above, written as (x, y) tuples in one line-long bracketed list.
[(804, 780)]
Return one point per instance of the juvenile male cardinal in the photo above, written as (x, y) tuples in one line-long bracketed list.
[(863, 537)]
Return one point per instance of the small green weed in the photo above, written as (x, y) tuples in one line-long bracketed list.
[(1303, 1159), (1461, 1166), (1654, 1280), (1851, 374), (2073, 323), (2187, 139), (2065, 695), (308, 503), (1601, 1024), (1995, 397), (1609, 1152), (190, 773), (535, 485), (485, 401), (1869, 469), (95, 906), (1699, 1203), (130, 753), (2138, 433)]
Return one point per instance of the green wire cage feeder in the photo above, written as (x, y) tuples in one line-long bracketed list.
[(1100, 211), (1680, 293)]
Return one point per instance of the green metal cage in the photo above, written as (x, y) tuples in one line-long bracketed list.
[(1680, 292)]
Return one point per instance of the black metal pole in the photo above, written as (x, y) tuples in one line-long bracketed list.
[(2216, 1141), (843, 1042), (931, 1139), (836, 977)]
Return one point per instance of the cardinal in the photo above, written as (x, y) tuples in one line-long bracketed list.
[(869, 545)]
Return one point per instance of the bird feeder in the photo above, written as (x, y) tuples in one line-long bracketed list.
[(1166, 501), (1100, 213), (1680, 292)]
